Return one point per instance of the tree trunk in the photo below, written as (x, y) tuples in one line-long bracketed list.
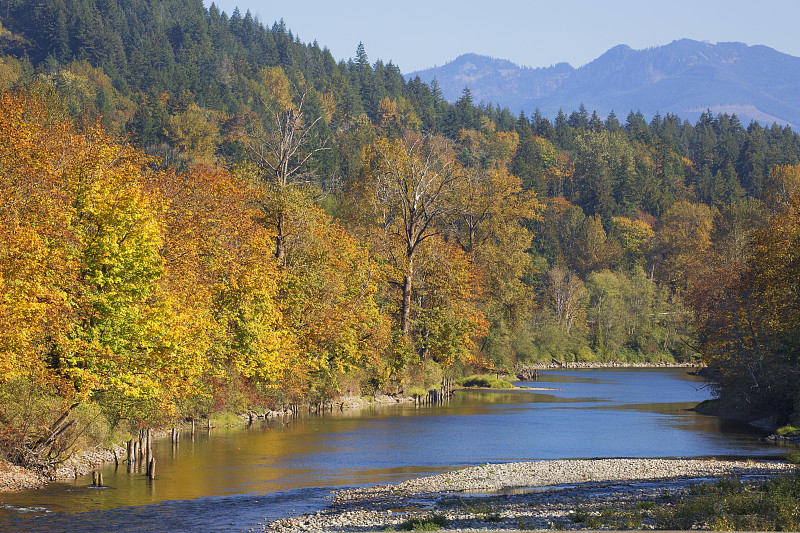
[(280, 239), (405, 318)]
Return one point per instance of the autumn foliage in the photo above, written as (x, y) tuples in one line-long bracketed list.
[(139, 289)]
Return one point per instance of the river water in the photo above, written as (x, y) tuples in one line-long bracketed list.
[(233, 479)]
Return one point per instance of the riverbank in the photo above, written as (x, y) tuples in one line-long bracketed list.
[(513, 496), (15, 478)]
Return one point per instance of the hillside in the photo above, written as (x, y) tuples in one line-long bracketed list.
[(684, 78)]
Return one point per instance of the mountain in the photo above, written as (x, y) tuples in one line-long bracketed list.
[(684, 78)]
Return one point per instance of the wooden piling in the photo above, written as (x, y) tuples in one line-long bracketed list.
[(130, 455), (94, 478), (151, 468)]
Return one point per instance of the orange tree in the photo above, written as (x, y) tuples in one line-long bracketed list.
[(748, 316)]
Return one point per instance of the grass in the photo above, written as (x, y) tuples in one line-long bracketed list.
[(416, 391), (728, 504), (433, 522), (482, 510), (610, 518), (226, 419), (793, 457), (486, 381), (788, 431)]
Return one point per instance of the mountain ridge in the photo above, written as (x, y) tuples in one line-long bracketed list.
[(685, 78)]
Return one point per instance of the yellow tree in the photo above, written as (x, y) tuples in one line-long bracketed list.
[(682, 239), (747, 315), (565, 292), (635, 237), (34, 269), (449, 319), (326, 296), (491, 220), (222, 286)]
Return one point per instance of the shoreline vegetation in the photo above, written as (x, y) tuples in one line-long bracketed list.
[(15, 478), (560, 494)]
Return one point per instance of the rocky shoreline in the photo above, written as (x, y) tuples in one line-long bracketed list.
[(532, 495), (555, 365), (13, 477)]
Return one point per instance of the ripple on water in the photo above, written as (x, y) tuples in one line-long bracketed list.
[(228, 513)]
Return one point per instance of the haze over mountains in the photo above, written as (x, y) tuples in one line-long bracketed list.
[(684, 78)]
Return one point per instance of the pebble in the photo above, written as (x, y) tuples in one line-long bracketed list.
[(518, 505), (13, 477)]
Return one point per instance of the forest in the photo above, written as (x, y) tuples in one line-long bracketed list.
[(201, 213)]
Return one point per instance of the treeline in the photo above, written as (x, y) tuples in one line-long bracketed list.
[(200, 212), (151, 293)]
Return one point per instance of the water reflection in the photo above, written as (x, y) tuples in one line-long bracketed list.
[(593, 413)]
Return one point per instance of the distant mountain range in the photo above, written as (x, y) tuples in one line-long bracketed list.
[(684, 78)]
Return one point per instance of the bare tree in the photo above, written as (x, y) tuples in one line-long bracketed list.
[(282, 147), (566, 291), (414, 179)]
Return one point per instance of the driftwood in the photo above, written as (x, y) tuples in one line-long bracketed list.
[(42, 448)]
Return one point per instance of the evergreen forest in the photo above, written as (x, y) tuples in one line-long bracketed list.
[(200, 213)]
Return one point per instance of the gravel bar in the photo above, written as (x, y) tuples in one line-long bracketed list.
[(530, 495)]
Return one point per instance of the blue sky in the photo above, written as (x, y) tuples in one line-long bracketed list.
[(416, 34)]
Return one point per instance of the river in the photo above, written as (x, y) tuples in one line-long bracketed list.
[(233, 479)]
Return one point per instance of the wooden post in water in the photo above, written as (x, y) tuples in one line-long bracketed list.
[(151, 468), (94, 478), (141, 444), (192, 428), (99, 479)]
